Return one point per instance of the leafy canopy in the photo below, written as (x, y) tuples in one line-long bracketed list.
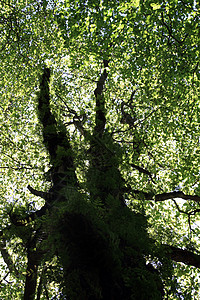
[(153, 78)]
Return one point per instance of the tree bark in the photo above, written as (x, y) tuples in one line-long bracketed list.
[(178, 194), (34, 258), (183, 255)]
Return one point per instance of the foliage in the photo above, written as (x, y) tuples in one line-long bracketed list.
[(146, 144)]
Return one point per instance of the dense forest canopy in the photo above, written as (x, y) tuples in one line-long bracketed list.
[(99, 149)]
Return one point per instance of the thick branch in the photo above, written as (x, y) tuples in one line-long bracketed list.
[(178, 194), (126, 117), (183, 255), (34, 257), (55, 139), (39, 289), (100, 118), (43, 195), (141, 195), (45, 116), (102, 153), (161, 197)]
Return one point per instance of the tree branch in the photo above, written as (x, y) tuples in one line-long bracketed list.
[(34, 257), (6, 256), (142, 170), (100, 118), (126, 117), (55, 139), (169, 29), (42, 275), (178, 194), (164, 196), (43, 195), (141, 194), (183, 255), (78, 120)]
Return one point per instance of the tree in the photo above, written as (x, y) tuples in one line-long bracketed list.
[(99, 149)]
